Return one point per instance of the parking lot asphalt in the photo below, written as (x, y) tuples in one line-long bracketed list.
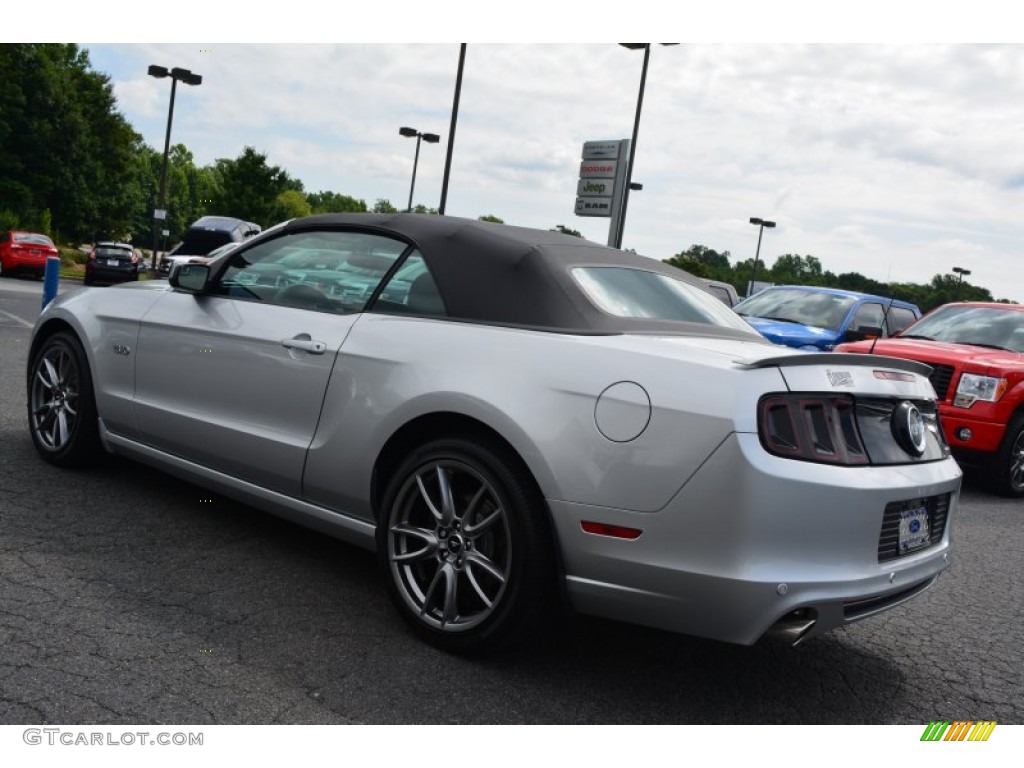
[(127, 596)]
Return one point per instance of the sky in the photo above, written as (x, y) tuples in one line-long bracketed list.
[(898, 159)]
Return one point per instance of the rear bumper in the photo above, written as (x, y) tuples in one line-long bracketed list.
[(753, 540), (24, 265), (107, 273)]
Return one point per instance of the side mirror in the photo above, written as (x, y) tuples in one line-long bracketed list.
[(191, 278), (863, 333)]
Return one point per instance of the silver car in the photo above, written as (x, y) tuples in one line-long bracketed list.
[(516, 421)]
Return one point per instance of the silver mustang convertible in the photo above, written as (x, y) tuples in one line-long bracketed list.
[(516, 421)]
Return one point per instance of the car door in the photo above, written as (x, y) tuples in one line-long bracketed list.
[(235, 379)]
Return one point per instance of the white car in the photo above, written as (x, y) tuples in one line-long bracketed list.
[(516, 421)]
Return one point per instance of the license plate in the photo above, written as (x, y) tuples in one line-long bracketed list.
[(914, 530), (113, 262)]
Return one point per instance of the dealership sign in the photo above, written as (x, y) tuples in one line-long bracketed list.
[(602, 180)]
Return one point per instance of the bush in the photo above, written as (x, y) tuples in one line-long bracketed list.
[(71, 256)]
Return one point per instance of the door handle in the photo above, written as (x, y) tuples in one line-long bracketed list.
[(305, 343)]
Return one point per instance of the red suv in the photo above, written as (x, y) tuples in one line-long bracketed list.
[(25, 252), (976, 351)]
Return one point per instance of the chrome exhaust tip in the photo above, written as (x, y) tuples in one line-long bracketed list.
[(793, 627)]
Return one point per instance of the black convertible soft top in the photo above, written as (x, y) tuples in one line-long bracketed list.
[(497, 273)]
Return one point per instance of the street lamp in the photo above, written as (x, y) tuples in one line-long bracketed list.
[(646, 48), (762, 223), (430, 138), (188, 78), (960, 271)]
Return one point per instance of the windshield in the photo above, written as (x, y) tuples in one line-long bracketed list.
[(814, 308), (981, 326), (626, 292)]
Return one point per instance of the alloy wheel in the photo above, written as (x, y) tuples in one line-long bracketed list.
[(54, 397), (449, 545)]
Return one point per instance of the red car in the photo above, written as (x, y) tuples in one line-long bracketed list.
[(976, 351), (25, 252)]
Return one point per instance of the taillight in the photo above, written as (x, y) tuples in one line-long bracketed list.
[(92, 255), (821, 428), (135, 258)]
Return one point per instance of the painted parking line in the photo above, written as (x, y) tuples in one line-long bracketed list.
[(17, 320)]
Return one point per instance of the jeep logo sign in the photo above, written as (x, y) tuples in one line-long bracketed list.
[(595, 187)]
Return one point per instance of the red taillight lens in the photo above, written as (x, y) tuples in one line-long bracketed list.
[(821, 428), (615, 531), (92, 255), (135, 258)]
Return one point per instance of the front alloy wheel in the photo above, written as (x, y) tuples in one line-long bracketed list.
[(466, 546), (61, 409)]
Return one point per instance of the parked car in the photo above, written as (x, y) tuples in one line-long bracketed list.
[(510, 418), (25, 253), (110, 262), (976, 352), (204, 236), (817, 319), (724, 292)]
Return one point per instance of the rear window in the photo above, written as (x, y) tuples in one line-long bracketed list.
[(637, 293), (112, 250), (31, 237)]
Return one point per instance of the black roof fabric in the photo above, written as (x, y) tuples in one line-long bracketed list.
[(498, 273)]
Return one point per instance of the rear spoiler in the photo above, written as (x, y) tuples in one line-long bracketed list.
[(838, 358)]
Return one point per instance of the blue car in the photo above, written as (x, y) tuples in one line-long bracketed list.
[(817, 319)]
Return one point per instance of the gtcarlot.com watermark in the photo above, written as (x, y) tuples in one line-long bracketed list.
[(75, 738)]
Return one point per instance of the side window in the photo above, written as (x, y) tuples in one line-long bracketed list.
[(899, 318), (721, 294), (867, 316), (411, 290), (5, 237), (324, 271)]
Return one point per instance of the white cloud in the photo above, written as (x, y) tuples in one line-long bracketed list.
[(890, 160)]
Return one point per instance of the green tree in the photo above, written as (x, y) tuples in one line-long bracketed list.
[(63, 144), (791, 269), (291, 204), (689, 264), (384, 206), (566, 231), (491, 218), (248, 187), (332, 202)]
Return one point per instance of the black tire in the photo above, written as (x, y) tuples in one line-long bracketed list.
[(476, 573), (88, 280), (62, 415), (1006, 472)]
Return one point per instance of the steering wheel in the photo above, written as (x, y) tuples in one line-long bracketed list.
[(302, 296)]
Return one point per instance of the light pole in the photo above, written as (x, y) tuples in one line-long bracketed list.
[(451, 129), (762, 223), (960, 271), (646, 48), (189, 78), (430, 138)]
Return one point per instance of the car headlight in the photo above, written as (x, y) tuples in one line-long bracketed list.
[(973, 387)]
